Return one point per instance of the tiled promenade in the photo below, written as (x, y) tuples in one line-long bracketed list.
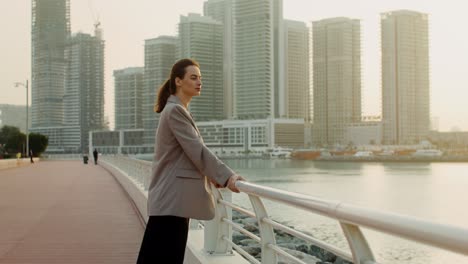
[(66, 212)]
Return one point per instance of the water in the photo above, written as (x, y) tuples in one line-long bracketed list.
[(431, 191)]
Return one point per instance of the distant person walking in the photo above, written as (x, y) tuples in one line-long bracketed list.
[(183, 168), (95, 155), (31, 155)]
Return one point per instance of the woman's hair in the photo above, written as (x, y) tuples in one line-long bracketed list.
[(169, 87)]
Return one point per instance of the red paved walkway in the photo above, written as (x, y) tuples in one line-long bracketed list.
[(66, 212)]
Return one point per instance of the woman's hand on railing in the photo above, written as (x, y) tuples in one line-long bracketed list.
[(231, 184), (217, 185)]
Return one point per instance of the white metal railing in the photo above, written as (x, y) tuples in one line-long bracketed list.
[(351, 218), (218, 232), (62, 156), (138, 170), (269, 249)]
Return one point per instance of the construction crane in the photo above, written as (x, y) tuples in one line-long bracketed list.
[(97, 22)]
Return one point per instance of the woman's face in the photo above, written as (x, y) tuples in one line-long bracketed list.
[(191, 84)]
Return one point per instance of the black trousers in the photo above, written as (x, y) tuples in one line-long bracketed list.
[(164, 240)]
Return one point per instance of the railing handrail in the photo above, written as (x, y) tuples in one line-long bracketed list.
[(444, 236), (350, 217)]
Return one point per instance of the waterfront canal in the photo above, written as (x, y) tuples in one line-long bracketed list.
[(432, 191)]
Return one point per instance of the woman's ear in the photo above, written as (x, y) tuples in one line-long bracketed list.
[(178, 82)]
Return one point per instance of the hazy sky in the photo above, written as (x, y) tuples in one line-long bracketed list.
[(126, 24)]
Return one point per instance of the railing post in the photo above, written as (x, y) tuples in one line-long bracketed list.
[(267, 235), (362, 253), (139, 171), (215, 230), (194, 224), (128, 168), (147, 180)]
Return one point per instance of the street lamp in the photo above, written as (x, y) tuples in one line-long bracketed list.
[(17, 84)]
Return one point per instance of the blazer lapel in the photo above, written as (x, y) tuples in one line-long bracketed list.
[(174, 99), (193, 123)]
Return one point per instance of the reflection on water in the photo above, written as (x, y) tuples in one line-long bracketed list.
[(407, 167), (431, 191), (338, 166)]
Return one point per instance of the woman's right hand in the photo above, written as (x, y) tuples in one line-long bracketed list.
[(231, 185)]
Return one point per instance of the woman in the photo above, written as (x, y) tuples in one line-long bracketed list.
[(183, 168)]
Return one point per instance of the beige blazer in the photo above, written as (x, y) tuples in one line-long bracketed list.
[(182, 163)]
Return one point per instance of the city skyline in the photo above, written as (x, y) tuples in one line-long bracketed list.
[(125, 42)]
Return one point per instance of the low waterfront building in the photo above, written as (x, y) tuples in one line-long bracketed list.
[(222, 137), (243, 136), (363, 133), (456, 140), (124, 141), (56, 137)]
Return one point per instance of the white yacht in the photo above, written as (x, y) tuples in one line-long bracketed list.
[(428, 153), (364, 153), (279, 152)]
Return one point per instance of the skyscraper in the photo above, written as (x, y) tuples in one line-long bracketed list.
[(160, 55), (221, 10), (258, 59), (337, 78), (84, 90), (405, 77), (129, 98), (297, 85), (201, 38), (50, 28)]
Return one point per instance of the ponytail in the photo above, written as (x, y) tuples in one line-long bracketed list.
[(169, 87), (163, 94)]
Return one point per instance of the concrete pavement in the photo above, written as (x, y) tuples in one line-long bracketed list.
[(66, 212)]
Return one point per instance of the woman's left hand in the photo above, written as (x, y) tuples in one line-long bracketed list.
[(215, 183)]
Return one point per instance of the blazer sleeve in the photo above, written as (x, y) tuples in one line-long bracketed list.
[(203, 159)]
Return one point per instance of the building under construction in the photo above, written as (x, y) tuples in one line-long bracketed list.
[(84, 90), (67, 78), (50, 29)]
